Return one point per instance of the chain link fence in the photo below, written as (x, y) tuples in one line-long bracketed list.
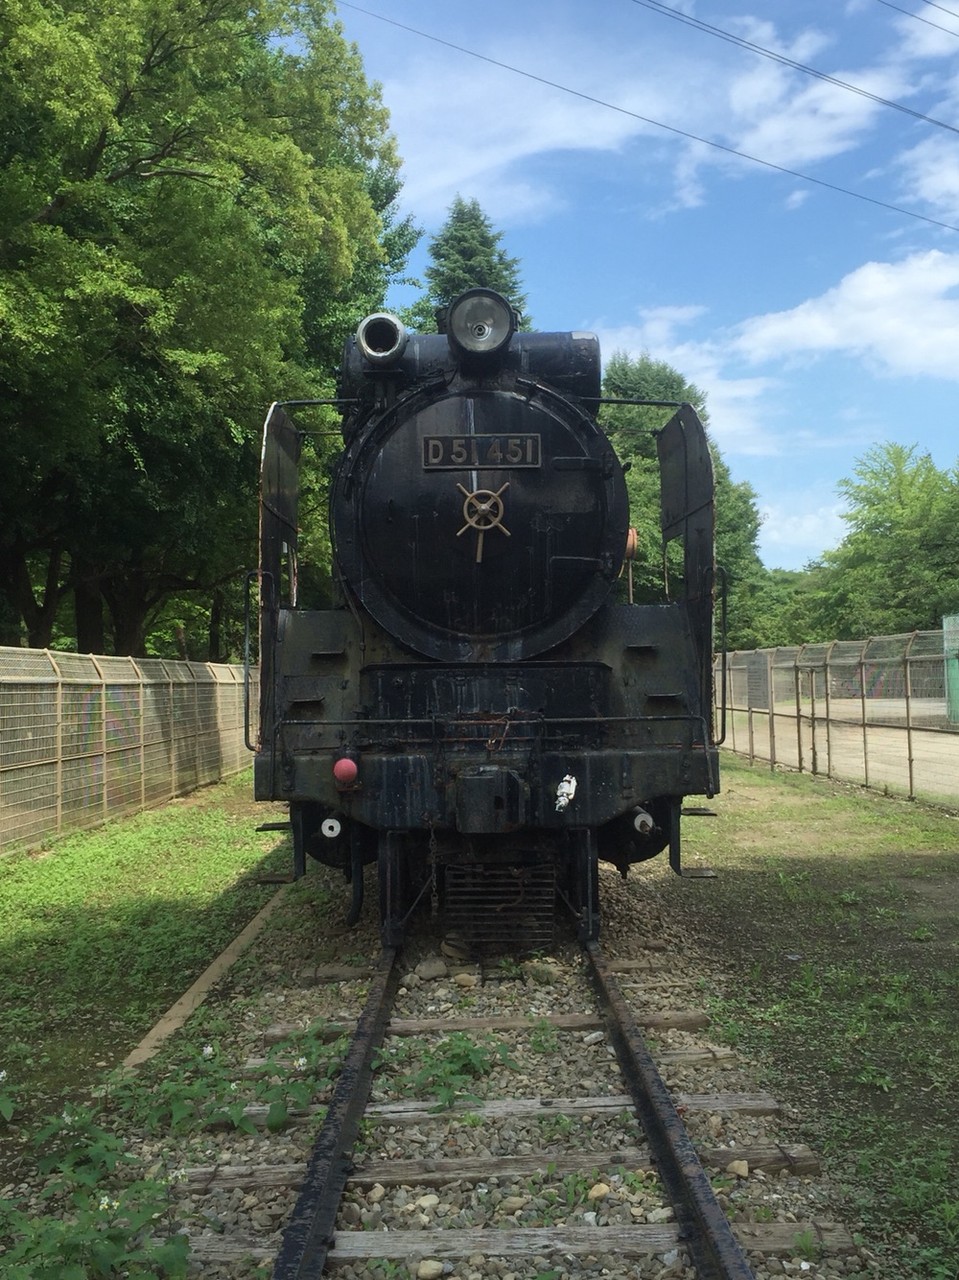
[(873, 712), (84, 739)]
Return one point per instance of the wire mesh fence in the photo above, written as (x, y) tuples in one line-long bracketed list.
[(84, 739), (874, 712)]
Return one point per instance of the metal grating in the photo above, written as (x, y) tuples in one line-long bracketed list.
[(499, 908), (882, 712), (85, 738)]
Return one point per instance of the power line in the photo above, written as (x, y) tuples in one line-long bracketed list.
[(932, 4), (667, 11), (909, 14), (657, 124)]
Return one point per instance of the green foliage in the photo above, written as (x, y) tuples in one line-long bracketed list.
[(454, 1064), (197, 201), (632, 430), (807, 1246), (140, 907), (466, 254), (544, 1038), (855, 1021), (200, 1091), (7, 1104), (100, 1217), (109, 1228), (103, 1236), (894, 571), (555, 1127)]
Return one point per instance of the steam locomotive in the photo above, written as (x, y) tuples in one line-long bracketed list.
[(479, 714)]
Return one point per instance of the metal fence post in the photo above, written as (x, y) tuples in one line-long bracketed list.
[(827, 680), (732, 701), (862, 712), (907, 680), (59, 739), (749, 723), (771, 686), (173, 734), (103, 736), (141, 732)]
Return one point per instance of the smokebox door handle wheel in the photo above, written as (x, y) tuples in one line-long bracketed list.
[(483, 510)]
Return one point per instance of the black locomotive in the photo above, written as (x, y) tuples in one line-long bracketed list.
[(477, 714)]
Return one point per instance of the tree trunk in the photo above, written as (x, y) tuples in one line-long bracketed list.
[(39, 617), (88, 610), (10, 634), (129, 607), (215, 646)]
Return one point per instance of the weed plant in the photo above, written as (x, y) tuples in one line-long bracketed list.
[(832, 918), (100, 1216), (449, 1070), (100, 933)]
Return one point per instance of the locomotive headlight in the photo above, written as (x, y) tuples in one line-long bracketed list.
[(480, 323)]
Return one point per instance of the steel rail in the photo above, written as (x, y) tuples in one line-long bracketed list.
[(309, 1234), (704, 1228)]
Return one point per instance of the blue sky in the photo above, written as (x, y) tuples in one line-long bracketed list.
[(817, 323)]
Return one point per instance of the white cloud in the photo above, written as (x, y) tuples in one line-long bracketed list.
[(472, 128), (932, 36), (798, 527), (808, 122), (902, 316), (466, 125), (931, 172), (735, 404)]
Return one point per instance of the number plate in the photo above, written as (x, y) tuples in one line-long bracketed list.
[(448, 453)]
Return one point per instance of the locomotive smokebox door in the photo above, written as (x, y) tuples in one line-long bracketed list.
[(481, 515), (488, 800)]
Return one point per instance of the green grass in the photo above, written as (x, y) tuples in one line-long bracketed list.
[(833, 915), (99, 935), (102, 931)]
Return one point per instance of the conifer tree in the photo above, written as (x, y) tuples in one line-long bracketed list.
[(466, 254)]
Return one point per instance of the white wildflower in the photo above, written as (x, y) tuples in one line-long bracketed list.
[(3, 1076), (299, 1064), (208, 1051), (107, 1203), (234, 1086)]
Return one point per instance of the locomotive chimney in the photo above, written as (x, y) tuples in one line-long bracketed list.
[(381, 338)]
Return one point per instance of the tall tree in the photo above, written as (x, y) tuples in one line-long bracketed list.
[(466, 254), (895, 570), (191, 193)]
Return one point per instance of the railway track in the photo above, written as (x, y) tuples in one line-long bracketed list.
[(448, 1148)]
